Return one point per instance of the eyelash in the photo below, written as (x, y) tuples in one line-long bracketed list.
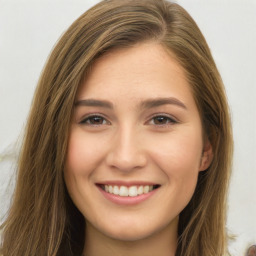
[(87, 120), (169, 120), (90, 117)]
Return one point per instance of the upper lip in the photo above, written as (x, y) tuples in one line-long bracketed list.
[(126, 183)]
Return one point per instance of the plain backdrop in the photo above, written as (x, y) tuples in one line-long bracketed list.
[(30, 28)]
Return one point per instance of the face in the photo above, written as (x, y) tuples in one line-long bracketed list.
[(136, 144)]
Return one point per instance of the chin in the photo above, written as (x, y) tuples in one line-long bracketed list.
[(136, 231)]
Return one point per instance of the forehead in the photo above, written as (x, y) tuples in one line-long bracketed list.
[(148, 56), (144, 70)]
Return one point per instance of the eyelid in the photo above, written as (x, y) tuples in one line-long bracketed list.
[(172, 119), (87, 116)]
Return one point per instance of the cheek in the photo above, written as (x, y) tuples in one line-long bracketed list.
[(82, 157), (179, 160), (181, 152), (80, 163)]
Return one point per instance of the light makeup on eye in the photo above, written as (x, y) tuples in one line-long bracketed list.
[(94, 120), (162, 120)]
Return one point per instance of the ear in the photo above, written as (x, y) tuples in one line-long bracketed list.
[(207, 156)]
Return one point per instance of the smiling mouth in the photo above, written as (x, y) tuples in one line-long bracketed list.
[(126, 191)]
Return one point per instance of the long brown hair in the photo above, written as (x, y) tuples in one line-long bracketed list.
[(42, 219)]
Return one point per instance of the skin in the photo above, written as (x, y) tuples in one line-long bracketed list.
[(131, 140)]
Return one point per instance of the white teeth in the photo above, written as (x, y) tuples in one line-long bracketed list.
[(140, 190), (146, 189), (128, 191), (123, 191), (133, 191), (116, 190)]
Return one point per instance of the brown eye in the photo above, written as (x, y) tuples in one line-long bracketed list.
[(162, 120), (94, 120)]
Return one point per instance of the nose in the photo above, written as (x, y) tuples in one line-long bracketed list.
[(126, 152)]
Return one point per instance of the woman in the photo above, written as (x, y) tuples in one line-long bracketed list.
[(128, 146)]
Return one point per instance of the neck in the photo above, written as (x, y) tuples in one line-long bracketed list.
[(162, 243)]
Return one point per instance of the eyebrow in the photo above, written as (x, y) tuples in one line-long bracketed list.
[(151, 103), (94, 103), (147, 104)]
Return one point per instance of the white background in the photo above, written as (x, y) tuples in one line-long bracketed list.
[(30, 28)]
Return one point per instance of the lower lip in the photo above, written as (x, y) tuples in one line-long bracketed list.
[(127, 200)]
